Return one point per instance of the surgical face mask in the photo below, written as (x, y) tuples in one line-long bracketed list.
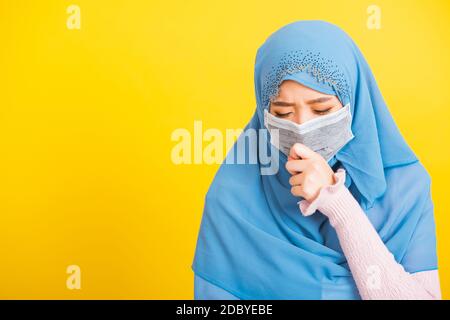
[(325, 135)]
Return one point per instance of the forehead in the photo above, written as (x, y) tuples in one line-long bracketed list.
[(292, 89)]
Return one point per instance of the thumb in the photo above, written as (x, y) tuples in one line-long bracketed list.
[(300, 151)]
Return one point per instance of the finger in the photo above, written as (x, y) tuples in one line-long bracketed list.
[(293, 154), (298, 191), (301, 151), (297, 179), (295, 166)]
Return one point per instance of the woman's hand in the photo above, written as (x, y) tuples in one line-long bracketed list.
[(310, 172)]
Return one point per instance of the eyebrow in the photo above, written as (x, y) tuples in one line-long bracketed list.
[(291, 104), (319, 100), (283, 103)]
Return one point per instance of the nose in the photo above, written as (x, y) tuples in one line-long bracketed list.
[(302, 116)]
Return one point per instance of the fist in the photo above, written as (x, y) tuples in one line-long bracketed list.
[(310, 172)]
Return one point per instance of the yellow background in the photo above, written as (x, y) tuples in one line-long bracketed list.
[(86, 117)]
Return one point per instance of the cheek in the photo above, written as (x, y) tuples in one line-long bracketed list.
[(338, 104)]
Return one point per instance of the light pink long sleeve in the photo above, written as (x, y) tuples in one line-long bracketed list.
[(374, 269)]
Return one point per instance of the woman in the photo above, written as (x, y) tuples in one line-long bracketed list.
[(349, 213)]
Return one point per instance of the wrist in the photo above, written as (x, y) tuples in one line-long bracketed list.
[(326, 195)]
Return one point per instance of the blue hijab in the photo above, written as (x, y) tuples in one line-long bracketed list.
[(253, 240)]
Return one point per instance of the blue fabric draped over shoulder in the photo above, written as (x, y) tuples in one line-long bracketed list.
[(253, 241)]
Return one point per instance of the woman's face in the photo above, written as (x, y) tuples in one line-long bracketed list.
[(298, 103)]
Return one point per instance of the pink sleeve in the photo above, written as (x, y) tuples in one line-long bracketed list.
[(375, 270)]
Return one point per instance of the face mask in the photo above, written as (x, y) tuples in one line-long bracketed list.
[(325, 135)]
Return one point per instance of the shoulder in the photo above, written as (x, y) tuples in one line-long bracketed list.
[(410, 183), (411, 173)]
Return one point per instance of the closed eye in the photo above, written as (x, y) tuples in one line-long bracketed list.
[(283, 115), (323, 111)]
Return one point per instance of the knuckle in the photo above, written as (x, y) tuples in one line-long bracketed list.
[(291, 180), (288, 165), (296, 190)]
